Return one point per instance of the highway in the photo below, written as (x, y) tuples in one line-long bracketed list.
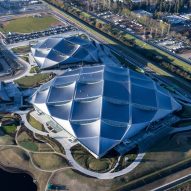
[(173, 184)]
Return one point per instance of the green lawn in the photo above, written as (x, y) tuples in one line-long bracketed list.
[(29, 145), (34, 69), (36, 124), (21, 49), (9, 129), (33, 81), (27, 141), (29, 24), (49, 161), (25, 58)]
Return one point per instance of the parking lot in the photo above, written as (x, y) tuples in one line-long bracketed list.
[(15, 38), (122, 22)]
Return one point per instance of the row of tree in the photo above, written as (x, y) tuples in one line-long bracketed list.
[(123, 38), (170, 6)]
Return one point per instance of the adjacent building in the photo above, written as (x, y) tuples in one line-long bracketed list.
[(11, 97), (58, 52)]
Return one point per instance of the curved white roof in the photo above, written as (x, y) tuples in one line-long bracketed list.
[(57, 51), (103, 105)]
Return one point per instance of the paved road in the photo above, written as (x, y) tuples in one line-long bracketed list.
[(107, 175), (173, 184)]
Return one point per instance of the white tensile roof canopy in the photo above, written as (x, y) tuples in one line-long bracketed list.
[(58, 51), (103, 105)]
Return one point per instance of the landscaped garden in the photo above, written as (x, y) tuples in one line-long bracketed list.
[(34, 123), (27, 141), (86, 160), (21, 50), (35, 80)]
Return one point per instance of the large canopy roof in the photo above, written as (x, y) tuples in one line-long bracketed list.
[(56, 51), (103, 105)]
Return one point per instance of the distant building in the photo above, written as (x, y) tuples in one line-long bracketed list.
[(14, 3), (11, 97), (142, 13), (138, 1), (175, 19)]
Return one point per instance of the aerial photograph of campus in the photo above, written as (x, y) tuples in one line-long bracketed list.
[(95, 95)]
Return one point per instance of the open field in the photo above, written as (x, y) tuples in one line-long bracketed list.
[(6, 140), (75, 181), (29, 24), (49, 161), (34, 81)]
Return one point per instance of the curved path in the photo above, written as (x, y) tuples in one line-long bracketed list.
[(107, 175), (67, 146), (25, 66)]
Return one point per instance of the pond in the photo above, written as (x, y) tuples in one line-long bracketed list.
[(16, 181)]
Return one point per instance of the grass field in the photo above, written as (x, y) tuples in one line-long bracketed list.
[(6, 140), (27, 141), (9, 129), (36, 124), (34, 69), (49, 161), (33, 81), (21, 50), (55, 144), (29, 24)]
